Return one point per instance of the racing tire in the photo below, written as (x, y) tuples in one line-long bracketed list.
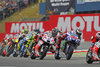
[(88, 58), (1, 49), (69, 53), (33, 56), (3, 55), (21, 54), (43, 54), (10, 51), (25, 55), (15, 54)]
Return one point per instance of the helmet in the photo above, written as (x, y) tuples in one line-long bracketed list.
[(25, 31), (98, 34), (36, 31), (54, 32), (78, 30), (49, 33)]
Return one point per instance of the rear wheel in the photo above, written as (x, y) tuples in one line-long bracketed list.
[(33, 55), (89, 57)]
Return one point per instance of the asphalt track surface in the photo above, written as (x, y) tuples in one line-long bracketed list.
[(49, 61)]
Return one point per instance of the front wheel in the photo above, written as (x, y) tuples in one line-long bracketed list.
[(88, 58), (15, 54), (69, 53), (25, 53), (44, 52), (33, 55), (1, 49), (10, 50)]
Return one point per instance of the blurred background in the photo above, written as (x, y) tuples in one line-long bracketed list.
[(40, 10)]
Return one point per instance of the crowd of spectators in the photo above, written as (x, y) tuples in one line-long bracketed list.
[(8, 7)]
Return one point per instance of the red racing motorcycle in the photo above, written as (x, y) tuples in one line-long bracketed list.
[(93, 54), (46, 44)]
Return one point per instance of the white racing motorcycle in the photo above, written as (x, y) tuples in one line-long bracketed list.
[(46, 44)]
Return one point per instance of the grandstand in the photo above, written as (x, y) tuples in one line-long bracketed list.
[(31, 13)]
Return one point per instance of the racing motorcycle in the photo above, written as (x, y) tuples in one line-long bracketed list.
[(10, 48), (2, 46), (93, 54), (28, 48), (25, 40), (46, 44), (68, 45), (16, 47), (7, 51)]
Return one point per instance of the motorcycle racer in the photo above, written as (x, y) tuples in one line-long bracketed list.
[(52, 33), (78, 31), (62, 36), (21, 36), (35, 36), (95, 39)]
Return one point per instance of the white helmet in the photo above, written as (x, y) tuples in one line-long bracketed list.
[(98, 34)]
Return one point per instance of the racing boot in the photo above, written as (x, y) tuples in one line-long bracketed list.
[(57, 54), (33, 53)]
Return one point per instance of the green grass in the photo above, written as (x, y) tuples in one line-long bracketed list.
[(83, 54), (31, 11)]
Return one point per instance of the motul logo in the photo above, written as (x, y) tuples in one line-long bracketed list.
[(88, 23), (17, 27), (68, 23), (64, 24)]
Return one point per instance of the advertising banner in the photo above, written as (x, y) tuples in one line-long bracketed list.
[(58, 7), (88, 23), (87, 5)]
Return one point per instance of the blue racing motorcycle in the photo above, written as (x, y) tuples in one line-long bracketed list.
[(68, 45)]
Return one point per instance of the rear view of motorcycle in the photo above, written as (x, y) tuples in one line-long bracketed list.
[(93, 54)]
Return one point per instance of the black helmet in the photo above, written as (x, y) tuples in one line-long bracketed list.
[(54, 32), (78, 30), (36, 30), (98, 34)]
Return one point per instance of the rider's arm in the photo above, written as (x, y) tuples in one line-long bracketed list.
[(93, 39)]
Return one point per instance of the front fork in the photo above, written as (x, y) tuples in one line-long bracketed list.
[(36, 48)]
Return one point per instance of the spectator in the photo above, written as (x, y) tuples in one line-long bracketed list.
[(8, 7), (26, 2), (1, 11)]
